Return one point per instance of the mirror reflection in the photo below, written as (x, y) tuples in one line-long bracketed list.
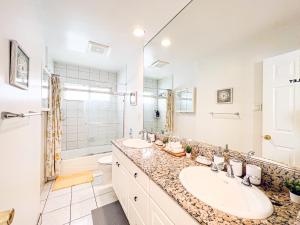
[(234, 78), (157, 97)]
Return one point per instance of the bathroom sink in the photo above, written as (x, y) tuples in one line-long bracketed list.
[(226, 194), (136, 143)]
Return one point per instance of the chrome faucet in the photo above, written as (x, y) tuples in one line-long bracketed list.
[(142, 132), (229, 169), (250, 154), (148, 139), (216, 167)]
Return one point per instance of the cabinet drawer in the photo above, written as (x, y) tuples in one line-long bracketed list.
[(140, 199), (121, 156), (139, 176), (135, 172)]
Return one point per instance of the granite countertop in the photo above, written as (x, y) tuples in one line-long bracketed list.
[(164, 170)]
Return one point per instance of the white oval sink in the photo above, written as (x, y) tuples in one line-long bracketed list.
[(136, 143), (226, 194)]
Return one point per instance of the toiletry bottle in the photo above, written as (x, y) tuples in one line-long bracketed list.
[(254, 173), (237, 167)]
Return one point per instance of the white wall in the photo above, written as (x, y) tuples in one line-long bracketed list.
[(239, 66), (134, 114), (20, 139)]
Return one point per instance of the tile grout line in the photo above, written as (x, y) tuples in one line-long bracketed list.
[(70, 218), (46, 198), (56, 209), (42, 212), (94, 196), (80, 217)]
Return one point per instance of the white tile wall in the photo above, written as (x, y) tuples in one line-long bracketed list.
[(91, 122)]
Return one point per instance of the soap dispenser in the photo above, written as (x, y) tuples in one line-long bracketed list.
[(219, 159)]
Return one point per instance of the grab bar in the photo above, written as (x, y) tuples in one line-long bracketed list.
[(9, 115)]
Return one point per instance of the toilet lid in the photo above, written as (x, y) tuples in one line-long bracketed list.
[(105, 160)]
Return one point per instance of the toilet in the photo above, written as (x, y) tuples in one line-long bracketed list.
[(104, 165)]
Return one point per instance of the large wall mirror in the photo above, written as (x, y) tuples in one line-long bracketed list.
[(244, 63)]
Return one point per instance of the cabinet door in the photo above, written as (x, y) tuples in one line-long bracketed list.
[(133, 214), (123, 187), (140, 200), (115, 175), (157, 216), (120, 182)]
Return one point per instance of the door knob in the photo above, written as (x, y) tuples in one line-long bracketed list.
[(267, 137)]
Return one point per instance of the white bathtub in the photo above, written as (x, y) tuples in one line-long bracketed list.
[(82, 159)]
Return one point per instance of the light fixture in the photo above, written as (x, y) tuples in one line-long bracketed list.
[(166, 42), (138, 32)]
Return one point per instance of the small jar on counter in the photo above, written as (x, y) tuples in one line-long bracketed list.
[(237, 167)]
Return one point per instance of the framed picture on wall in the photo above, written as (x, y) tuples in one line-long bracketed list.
[(225, 96), (19, 66)]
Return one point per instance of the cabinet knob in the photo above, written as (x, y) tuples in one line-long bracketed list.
[(118, 164), (135, 175), (135, 198), (267, 137)]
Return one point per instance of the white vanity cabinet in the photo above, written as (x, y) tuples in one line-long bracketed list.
[(143, 201), (157, 216), (120, 182)]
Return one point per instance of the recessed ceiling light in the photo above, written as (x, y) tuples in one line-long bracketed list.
[(138, 32), (166, 42)]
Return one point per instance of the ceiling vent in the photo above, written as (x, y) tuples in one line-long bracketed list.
[(159, 64), (98, 48)]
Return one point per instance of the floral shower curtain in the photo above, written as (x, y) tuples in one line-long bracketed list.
[(54, 129), (170, 111)]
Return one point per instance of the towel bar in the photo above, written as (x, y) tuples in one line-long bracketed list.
[(9, 115), (235, 114)]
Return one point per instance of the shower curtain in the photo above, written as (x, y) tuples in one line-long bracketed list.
[(170, 111), (54, 130)]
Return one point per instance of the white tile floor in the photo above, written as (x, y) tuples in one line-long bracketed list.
[(73, 206)]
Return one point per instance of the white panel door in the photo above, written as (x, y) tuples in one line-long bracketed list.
[(281, 108)]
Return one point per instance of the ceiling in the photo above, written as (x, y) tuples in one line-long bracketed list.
[(210, 27), (69, 25)]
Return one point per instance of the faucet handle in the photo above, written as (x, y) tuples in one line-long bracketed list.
[(250, 154), (214, 167), (246, 181)]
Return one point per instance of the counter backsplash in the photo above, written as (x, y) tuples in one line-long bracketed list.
[(273, 174)]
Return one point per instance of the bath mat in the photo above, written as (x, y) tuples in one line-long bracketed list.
[(71, 180), (111, 214)]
